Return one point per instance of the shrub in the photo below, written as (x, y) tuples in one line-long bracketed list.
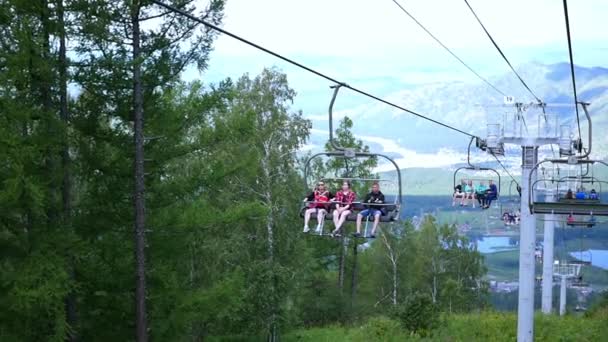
[(417, 313)]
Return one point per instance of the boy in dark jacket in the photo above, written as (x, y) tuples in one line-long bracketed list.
[(373, 207)]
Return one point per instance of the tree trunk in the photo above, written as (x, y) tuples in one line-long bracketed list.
[(268, 198), (66, 183), (44, 87), (141, 324), (353, 281), (392, 257), (342, 260)]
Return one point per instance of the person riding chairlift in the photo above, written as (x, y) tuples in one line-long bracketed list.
[(458, 192), (469, 194), (319, 204), (344, 206), (581, 194), (376, 197), (491, 194), (570, 219), (593, 195), (480, 193)]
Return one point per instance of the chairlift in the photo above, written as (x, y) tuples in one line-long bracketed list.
[(390, 211), (475, 169), (567, 203), (579, 283)]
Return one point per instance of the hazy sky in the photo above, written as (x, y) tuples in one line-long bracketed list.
[(370, 39), (374, 46)]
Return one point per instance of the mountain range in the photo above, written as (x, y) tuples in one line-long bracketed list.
[(419, 144)]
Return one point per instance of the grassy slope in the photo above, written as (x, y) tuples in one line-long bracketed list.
[(487, 326)]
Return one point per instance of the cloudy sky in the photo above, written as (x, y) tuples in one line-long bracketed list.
[(374, 46)]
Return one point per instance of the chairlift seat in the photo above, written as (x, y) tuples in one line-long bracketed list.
[(578, 201), (574, 207), (587, 224), (579, 284), (390, 213), (580, 262)]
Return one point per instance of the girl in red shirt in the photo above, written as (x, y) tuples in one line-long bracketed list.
[(318, 202), (344, 206)]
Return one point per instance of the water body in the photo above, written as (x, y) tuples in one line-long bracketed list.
[(598, 257), (493, 244)]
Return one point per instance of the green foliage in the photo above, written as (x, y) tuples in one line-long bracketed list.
[(380, 329), (483, 326), (417, 313)]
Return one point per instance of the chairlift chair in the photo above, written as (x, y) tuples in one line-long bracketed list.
[(568, 206), (391, 211), (477, 169)]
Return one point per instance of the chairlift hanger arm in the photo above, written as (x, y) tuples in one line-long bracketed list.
[(356, 155), (588, 151)]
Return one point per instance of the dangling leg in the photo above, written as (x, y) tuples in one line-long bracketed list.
[(320, 221), (359, 218), (376, 222), (336, 221), (336, 217), (307, 214), (343, 217)]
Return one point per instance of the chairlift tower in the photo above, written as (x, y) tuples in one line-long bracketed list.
[(548, 244), (515, 131), (564, 272)]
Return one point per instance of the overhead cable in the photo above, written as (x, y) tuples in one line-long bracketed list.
[(448, 49), (504, 168), (502, 54), (299, 65), (578, 121)]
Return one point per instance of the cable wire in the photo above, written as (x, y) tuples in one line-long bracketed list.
[(578, 121), (501, 53), (448, 49), (299, 65), (504, 168)]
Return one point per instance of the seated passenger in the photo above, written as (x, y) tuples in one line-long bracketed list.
[(591, 221), (512, 218), (569, 194), (480, 193), (570, 219), (373, 207), (491, 194), (458, 192), (344, 201), (469, 194), (319, 204), (593, 195), (581, 194)]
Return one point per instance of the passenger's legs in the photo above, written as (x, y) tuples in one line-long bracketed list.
[(336, 219), (307, 214), (376, 221), (343, 217), (320, 220), (359, 219), (489, 200)]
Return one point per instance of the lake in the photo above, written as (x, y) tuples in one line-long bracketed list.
[(598, 257)]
